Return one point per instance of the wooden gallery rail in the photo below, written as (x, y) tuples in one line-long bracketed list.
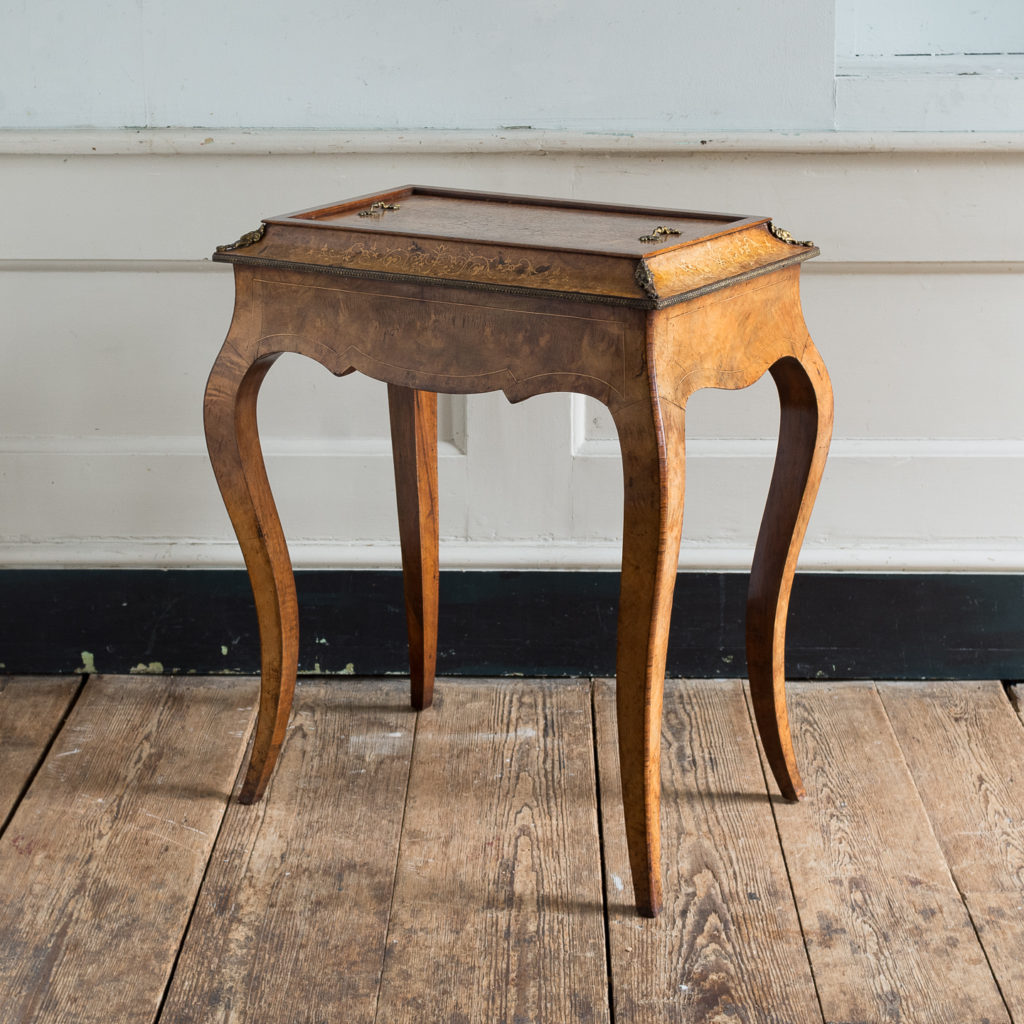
[(433, 290)]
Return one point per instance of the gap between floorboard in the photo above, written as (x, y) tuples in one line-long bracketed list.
[(782, 847), (601, 848), (33, 771)]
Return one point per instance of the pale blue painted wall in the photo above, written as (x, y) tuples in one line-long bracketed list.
[(601, 65)]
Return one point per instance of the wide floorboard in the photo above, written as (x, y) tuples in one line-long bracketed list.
[(467, 864)]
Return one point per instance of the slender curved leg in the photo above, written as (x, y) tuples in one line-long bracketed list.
[(414, 443), (652, 442), (234, 446), (805, 396)]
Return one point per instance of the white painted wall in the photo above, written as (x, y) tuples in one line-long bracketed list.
[(113, 312)]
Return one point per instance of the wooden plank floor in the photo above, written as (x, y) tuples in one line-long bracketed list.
[(468, 864)]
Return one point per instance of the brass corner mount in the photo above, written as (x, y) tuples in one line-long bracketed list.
[(249, 238), (645, 279), (784, 236)]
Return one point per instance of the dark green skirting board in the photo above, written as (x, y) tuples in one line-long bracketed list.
[(842, 625)]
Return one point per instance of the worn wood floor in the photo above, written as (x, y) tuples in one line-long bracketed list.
[(468, 864)]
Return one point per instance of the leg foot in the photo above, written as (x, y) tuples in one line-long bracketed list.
[(414, 442), (805, 395)]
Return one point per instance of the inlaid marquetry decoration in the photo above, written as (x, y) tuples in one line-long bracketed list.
[(587, 251)]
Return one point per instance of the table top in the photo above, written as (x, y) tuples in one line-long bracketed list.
[(623, 255)]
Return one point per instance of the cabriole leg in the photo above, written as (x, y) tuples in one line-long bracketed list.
[(805, 396), (651, 436), (233, 442)]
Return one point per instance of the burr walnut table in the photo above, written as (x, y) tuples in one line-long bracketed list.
[(433, 290)]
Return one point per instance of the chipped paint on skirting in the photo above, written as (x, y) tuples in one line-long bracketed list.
[(154, 668), (319, 670)]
